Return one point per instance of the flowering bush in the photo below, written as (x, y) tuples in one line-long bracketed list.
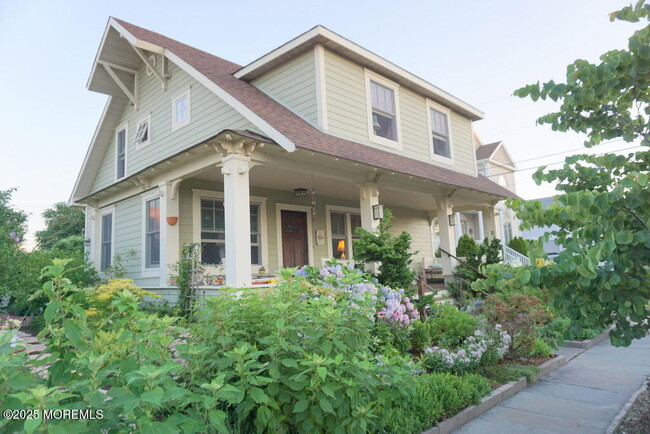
[(482, 347), (100, 300), (337, 280)]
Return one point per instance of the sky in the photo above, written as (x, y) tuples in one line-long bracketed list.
[(478, 51)]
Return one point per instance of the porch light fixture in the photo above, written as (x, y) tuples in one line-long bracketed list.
[(300, 192), (452, 219), (87, 242), (378, 211)]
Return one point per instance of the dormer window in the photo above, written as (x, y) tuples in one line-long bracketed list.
[(383, 116), (142, 133), (181, 110), (439, 130)]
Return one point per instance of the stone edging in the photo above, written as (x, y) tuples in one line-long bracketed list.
[(587, 343), (626, 408), (493, 399)]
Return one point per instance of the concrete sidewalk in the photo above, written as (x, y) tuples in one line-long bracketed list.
[(583, 396)]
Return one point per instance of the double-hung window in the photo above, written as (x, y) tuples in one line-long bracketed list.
[(152, 233), (384, 111), (106, 243), (181, 110), (343, 225), (440, 135), (120, 153), (213, 232)]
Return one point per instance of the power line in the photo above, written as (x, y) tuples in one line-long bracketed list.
[(566, 152), (557, 162)]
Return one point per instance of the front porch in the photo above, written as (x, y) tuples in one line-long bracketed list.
[(255, 209)]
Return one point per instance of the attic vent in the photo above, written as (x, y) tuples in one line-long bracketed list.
[(152, 62)]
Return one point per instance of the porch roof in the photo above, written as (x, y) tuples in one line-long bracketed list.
[(297, 130)]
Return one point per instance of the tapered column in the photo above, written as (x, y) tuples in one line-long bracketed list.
[(447, 238), (235, 170), (368, 197), (481, 227), (169, 230)]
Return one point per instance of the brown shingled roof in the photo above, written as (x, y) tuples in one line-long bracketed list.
[(302, 133), (486, 151)]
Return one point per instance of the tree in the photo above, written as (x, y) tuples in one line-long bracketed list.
[(393, 251), (62, 221), (603, 211), (13, 225)]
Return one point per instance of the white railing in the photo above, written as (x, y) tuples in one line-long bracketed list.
[(514, 258)]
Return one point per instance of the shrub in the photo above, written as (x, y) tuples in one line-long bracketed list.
[(466, 246), (393, 251), (488, 252), (505, 373), (483, 347), (100, 300), (421, 336), (540, 349), (519, 244), (297, 363), (436, 397), (450, 326), (520, 315)]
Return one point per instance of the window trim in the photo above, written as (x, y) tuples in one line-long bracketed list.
[(198, 194), (179, 125), (442, 109), (125, 127), (329, 209), (98, 248), (151, 271), (371, 76), (141, 144)]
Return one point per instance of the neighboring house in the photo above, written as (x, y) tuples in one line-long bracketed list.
[(494, 162), (550, 247), (272, 164)]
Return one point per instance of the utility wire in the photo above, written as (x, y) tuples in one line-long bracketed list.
[(557, 162)]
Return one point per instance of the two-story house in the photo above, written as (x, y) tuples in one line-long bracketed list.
[(272, 164)]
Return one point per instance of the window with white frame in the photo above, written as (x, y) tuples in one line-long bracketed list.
[(152, 233), (213, 232), (142, 133), (384, 111), (120, 153), (106, 242), (507, 232), (181, 110), (439, 121), (343, 225)]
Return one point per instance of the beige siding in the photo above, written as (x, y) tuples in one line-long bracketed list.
[(347, 113), (209, 115), (501, 156), (293, 85), (416, 223)]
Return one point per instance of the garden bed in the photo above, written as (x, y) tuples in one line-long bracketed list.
[(497, 396), (587, 343)]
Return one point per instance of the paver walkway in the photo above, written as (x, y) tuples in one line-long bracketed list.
[(583, 396)]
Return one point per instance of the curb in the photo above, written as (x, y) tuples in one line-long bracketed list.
[(626, 408), (493, 399), (587, 343)]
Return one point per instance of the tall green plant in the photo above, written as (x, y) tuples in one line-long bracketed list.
[(393, 251), (603, 209), (466, 246)]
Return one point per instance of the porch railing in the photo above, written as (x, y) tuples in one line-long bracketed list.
[(513, 257)]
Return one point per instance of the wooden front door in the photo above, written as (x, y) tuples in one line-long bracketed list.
[(294, 239)]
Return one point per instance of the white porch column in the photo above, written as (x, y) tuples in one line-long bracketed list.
[(368, 197), (169, 233), (481, 228), (458, 228), (447, 238), (235, 170)]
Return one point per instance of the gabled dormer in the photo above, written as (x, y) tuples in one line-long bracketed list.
[(350, 92)]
